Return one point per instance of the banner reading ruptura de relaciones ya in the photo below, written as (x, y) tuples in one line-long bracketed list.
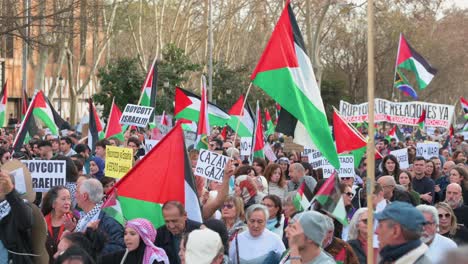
[(405, 113)]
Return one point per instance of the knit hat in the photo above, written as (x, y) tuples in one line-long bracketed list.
[(203, 246), (314, 225)]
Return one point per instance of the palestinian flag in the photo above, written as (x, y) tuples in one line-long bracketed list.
[(164, 174), (277, 111), (150, 82), (258, 140), (269, 124), (403, 85), (409, 59), (285, 73), (464, 104), (164, 119), (303, 197), (3, 106), (96, 132), (39, 109), (422, 120), (330, 198), (395, 133), (113, 128), (112, 207), (203, 129), (187, 106), (241, 115)]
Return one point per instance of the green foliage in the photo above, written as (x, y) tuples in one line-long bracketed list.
[(332, 92), (121, 79)]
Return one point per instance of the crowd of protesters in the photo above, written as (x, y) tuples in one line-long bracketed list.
[(421, 213)]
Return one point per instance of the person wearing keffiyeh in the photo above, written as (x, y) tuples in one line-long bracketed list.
[(139, 237)]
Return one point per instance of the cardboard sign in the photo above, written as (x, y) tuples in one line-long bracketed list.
[(46, 173), (346, 167), (136, 115), (211, 165), (427, 150), (149, 144), (269, 153), (118, 161), (21, 173), (246, 146), (402, 157)]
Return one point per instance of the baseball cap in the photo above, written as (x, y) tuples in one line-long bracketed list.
[(403, 213), (203, 246)]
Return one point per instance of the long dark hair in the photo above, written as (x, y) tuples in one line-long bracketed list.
[(50, 198), (397, 166), (410, 176), (270, 169), (277, 201)]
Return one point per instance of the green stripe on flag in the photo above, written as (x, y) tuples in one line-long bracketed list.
[(46, 119), (192, 114), (133, 208)]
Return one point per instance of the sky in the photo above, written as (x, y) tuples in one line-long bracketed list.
[(460, 3)]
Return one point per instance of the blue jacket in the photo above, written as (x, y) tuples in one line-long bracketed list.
[(114, 232)]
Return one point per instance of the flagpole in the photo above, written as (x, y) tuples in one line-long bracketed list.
[(370, 144), (238, 122)]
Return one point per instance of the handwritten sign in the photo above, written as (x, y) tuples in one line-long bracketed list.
[(427, 150), (246, 146), (46, 173), (149, 144), (269, 153), (118, 161), (317, 160), (211, 165), (402, 157), (136, 115), (346, 167)]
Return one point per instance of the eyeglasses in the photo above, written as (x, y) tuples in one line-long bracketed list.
[(447, 215), (228, 206), (350, 194), (364, 221), (346, 178)]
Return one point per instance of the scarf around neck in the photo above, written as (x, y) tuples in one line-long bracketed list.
[(391, 253), (86, 218)]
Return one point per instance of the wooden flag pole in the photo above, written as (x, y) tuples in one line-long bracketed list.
[(238, 122), (371, 131)]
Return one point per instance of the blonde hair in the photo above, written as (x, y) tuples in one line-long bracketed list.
[(238, 204), (353, 224), (453, 218)]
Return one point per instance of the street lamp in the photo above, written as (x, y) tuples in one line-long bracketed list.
[(61, 83)]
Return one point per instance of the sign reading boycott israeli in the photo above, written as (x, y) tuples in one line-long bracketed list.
[(346, 167), (46, 173), (211, 165), (402, 157), (405, 113), (118, 161), (427, 150), (136, 115)]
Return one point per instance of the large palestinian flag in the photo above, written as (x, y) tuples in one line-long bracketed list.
[(285, 73), (148, 85), (3, 106), (187, 106), (241, 115), (164, 174), (42, 110), (409, 59)]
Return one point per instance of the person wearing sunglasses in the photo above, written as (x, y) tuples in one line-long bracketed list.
[(448, 226), (232, 214), (357, 235), (347, 194)]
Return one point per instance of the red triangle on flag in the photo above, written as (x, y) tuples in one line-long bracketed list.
[(404, 51), (237, 109), (113, 125), (182, 101), (346, 138)]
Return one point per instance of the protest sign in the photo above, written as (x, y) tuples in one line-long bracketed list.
[(136, 115), (118, 161), (317, 160), (405, 113), (346, 167), (246, 146), (149, 144), (163, 128), (427, 150), (269, 153), (211, 165), (46, 173), (402, 157)]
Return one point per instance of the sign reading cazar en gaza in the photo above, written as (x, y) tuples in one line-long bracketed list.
[(211, 165), (405, 113)]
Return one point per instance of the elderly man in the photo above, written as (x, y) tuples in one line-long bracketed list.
[(89, 193), (392, 192), (177, 224), (422, 184), (399, 231), (453, 196), (257, 244), (297, 175), (306, 235), (438, 244)]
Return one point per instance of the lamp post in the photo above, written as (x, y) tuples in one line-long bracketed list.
[(60, 93)]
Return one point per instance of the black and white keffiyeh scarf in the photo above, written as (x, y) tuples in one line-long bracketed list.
[(4, 209)]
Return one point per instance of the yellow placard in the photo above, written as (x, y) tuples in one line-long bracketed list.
[(118, 161)]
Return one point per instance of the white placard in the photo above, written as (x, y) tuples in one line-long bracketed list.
[(149, 144), (163, 129), (190, 138), (427, 150), (402, 157), (317, 160), (307, 151), (246, 146), (136, 115), (269, 153), (211, 165), (46, 173), (20, 184), (346, 167)]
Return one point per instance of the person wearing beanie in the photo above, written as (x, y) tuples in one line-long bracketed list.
[(305, 238), (204, 246)]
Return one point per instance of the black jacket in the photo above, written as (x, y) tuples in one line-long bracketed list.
[(402, 196), (15, 229), (360, 252), (114, 232), (165, 240)]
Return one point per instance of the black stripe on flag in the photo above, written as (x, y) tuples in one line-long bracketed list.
[(421, 60), (93, 135), (296, 31)]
